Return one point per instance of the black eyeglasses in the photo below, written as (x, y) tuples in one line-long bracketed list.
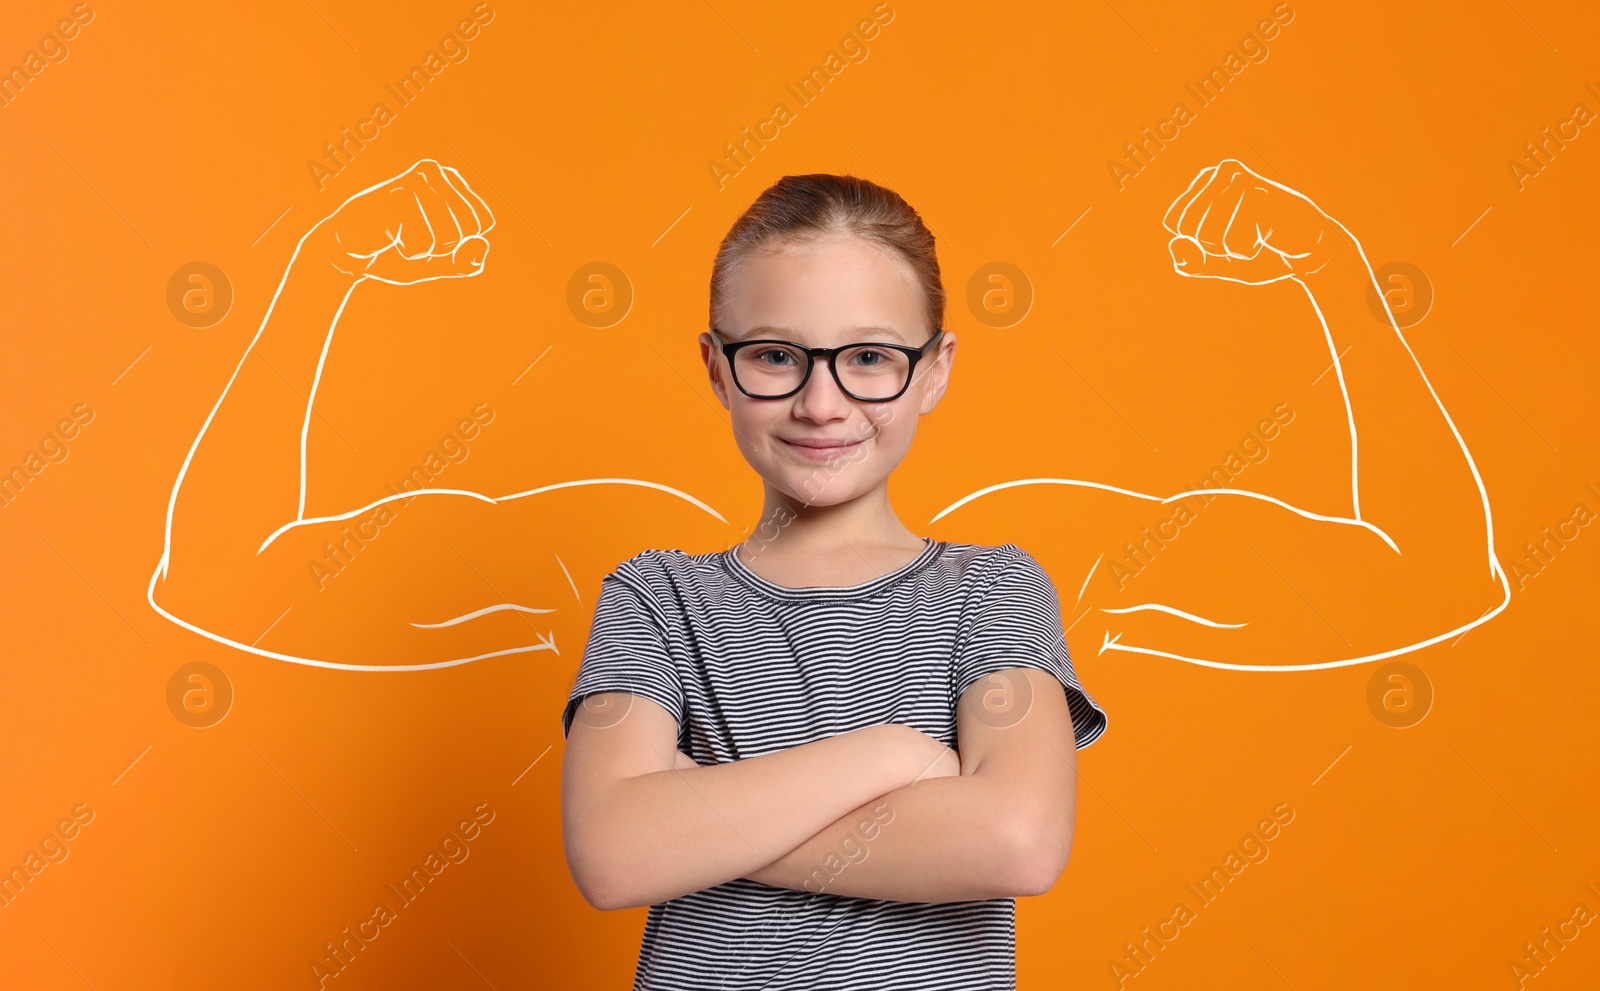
[(870, 372)]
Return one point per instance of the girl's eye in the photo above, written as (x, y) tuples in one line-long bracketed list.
[(774, 357), (869, 359)]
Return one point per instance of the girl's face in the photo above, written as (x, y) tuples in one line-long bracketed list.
[(839, 290)]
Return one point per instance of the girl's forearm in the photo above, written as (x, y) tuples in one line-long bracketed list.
[(939, 840), (666, 833)]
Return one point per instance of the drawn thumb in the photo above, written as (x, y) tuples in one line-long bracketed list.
[(470, 254), (466, 260), (1188, 259)]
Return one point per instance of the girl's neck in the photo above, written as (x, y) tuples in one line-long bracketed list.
[(797, 545)]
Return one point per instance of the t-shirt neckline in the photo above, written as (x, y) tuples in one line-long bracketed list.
[(740, 570)]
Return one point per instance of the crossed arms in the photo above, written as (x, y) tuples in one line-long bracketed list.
[(882, 812)]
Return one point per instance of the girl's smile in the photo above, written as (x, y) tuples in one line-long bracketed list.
[(822, 449)]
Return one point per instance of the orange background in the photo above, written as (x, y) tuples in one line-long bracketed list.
[(229, 855)]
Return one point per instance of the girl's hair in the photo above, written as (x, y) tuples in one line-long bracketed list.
[(802, 208)]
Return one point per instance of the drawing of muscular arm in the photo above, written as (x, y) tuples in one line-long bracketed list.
[(1404, 559), (237, 534)]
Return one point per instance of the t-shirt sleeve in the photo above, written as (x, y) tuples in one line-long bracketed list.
[(626, 652), (1017, 623)]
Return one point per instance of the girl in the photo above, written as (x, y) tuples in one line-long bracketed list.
[(814, 821), (762, 743)]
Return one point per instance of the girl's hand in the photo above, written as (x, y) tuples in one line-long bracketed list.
[(946, 765), (932, 758)]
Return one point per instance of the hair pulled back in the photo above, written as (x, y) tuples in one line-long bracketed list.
[(802, 208)]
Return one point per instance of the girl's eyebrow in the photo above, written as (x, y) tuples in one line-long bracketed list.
[(889, 331), (756, 332)]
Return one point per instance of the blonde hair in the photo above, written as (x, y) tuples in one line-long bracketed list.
[(801, 208)]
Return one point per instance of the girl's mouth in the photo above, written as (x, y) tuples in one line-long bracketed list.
[(834, 450)]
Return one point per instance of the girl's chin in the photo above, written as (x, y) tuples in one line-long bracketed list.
[(820, 487)]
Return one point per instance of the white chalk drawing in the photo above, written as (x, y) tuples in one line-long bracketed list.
[(1191, 617), (474, 614), (426, 223), (1247, 248)]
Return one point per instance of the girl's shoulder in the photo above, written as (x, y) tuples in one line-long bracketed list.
[(649, 568), (669, 557), (984, 562)]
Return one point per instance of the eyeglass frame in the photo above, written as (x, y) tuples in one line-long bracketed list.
[(730, 349)]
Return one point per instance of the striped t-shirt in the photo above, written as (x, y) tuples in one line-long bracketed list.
[(750, 667)]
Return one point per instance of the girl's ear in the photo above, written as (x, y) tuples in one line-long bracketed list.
[(714, 366), (939, 374)]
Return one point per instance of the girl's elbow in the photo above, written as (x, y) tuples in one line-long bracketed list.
[(609, 881), (1039, 859), (604, 888), (602, 900), (603, 893)]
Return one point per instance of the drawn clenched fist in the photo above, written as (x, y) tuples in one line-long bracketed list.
[(425, 223), (1234, 224)]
